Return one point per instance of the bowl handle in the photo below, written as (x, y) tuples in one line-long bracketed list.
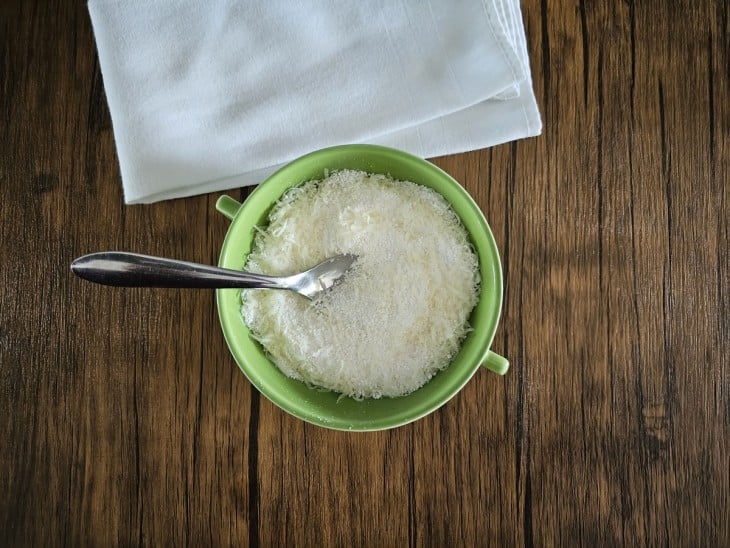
[(227, 206), (496, 363)]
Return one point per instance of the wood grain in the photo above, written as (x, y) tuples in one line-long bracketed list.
[(124, 420)]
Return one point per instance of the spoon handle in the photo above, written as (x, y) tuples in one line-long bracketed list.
[(123, 269)]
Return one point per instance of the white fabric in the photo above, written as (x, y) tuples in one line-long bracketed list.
[(207, 95)]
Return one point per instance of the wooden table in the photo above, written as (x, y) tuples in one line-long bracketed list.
[(124, 420)]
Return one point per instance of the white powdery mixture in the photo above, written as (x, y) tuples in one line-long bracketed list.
[(397, 317)]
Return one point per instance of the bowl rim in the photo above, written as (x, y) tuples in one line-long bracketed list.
[(229, 314)]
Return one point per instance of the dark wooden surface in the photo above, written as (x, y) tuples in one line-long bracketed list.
[(124, 420)]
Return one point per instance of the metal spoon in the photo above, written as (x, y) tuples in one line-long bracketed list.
[(122, 269)]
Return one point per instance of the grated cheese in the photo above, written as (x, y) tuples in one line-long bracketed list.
[(398, 316)]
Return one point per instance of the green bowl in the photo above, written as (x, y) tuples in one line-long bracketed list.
[(329, 409)]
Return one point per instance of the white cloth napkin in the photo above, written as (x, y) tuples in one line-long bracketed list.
[(207, 95)]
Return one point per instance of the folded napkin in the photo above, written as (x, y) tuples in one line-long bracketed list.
[(207, 95)]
